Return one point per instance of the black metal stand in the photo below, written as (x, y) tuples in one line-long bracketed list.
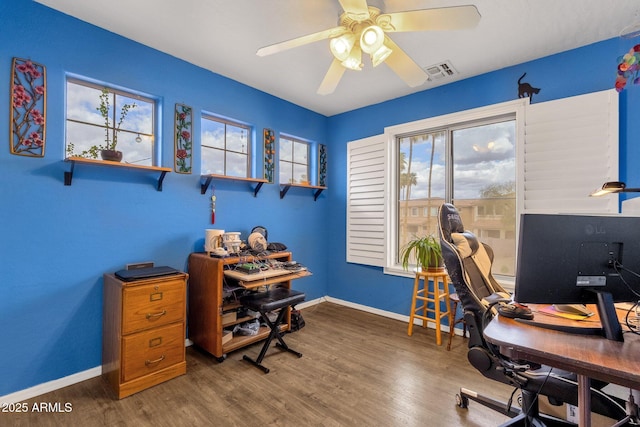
[(279, 298), (275, 333)]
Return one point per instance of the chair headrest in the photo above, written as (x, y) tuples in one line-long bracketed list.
[(452, 229), (450, 221)]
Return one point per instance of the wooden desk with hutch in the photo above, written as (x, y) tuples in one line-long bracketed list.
[(207, 306)]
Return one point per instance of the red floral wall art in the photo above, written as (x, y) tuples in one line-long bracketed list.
[(183, 138), (28, 104)]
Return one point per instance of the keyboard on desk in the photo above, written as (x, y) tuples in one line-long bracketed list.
[(264, 274)]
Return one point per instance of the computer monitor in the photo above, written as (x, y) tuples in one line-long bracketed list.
[(579, 259)]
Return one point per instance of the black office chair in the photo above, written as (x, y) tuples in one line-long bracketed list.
[(468, 263)]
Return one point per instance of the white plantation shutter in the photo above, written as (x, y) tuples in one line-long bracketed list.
[(571, 149), (366, 201)]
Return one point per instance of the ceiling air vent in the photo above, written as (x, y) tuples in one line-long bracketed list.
[(440, 71)]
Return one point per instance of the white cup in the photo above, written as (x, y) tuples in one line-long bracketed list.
[(212, 239)]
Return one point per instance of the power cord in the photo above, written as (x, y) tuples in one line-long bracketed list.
[(632, 324)]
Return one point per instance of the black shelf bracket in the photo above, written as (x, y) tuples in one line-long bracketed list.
[(284, 190), (68, 176), (257, 189), (160, 179), (205, 185), (317, 193)]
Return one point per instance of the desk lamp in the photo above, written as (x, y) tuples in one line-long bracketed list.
[(614, 187)]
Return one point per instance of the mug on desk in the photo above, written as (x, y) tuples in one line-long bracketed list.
[(213, 240)]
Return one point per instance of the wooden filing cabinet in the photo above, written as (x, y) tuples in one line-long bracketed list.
[(143, 338)]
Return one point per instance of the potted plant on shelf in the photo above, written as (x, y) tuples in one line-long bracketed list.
[(427, 252), (107, 151)]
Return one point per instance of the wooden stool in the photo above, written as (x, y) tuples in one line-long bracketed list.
[(434, 297), (455, 300)]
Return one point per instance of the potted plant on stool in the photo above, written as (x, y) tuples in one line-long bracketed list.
[(426, 251)]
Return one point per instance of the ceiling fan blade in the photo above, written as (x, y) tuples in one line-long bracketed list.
[(445, 18), (332, 78), (300, 41), (404, 66), (357, 10)]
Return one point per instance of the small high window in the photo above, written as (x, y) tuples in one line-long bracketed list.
[(101, 118), (225, 147), (294, 161)]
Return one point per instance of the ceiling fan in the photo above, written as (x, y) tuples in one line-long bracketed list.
[(363, 28)]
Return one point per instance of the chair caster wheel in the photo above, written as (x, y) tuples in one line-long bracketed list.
[(221, 358), (462, 402)]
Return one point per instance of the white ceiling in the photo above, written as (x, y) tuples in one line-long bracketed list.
[(223, 36)]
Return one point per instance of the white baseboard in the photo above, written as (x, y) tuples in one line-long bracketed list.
[(47, 387), (389, 314), (306, 304)]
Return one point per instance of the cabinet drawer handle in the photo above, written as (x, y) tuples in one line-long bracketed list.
[(162, 313), (151, 362)]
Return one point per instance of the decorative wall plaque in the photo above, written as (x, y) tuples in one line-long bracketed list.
[(183, 139), (28, 104)]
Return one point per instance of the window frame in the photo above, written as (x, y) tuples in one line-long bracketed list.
[(583, 128), (293, 163), (446, 135), (156, 149), (249, 131), (391, 135)]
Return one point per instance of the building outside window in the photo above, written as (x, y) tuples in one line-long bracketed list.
[(294, 161), (98, 116), (225, 147)]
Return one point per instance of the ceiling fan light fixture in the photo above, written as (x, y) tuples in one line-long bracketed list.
[(354, 61), (371, 39), (380, 55), (342, 46)]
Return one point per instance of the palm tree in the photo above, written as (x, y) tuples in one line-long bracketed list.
[(406, 181)]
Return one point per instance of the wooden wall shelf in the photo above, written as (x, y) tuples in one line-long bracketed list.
[(318, 189), (68, 176), (205, 180)]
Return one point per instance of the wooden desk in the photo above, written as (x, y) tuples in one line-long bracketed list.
[(587, 356), (207, 305)]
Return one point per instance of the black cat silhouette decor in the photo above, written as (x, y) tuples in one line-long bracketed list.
[(525, 89)]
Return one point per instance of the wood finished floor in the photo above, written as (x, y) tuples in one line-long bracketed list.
[(358, 369)]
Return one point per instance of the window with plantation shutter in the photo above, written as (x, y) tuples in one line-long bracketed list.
[(366, 167), (566, 149)]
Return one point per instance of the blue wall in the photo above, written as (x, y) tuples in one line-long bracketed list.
[(584, 70), (56, 240)]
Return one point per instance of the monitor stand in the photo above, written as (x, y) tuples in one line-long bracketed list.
[(610, 329), (608, 316)]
